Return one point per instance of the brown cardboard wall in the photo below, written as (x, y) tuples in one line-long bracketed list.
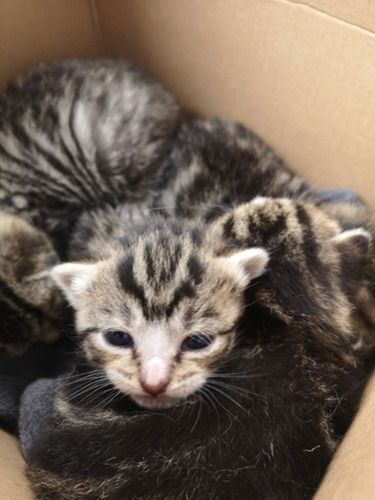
[(38, 30), (13, 484), (350, 475)]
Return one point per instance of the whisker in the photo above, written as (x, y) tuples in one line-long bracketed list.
[(92, 385), (76, 381), (242, 374), (200, 396), (228, 397), (198, 415), (182, 413), (234, 388), (85, 392), (97, 374), (82, 383), (224, 407), (111, 397), (81, 375), (94, 394), (208, 395)]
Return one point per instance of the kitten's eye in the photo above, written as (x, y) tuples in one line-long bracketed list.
[(121, 339), (196, 342)]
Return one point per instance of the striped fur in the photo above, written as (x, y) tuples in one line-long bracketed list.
[(75, 134), (258, 412), (215, 165), (275, 402), (32, 307), (162, 285)]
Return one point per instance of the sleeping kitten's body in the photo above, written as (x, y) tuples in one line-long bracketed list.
[(215, 165), (361, 293), (77, 134)]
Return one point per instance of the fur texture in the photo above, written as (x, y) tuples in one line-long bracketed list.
[(75, 134), (215, 165), (273, 410), (278, 289), (32, 307)]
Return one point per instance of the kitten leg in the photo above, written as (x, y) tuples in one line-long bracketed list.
[(32, 307)]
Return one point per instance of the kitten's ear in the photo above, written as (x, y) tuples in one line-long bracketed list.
[(73, 279), (246, 265), (354, 241), (354, 247)]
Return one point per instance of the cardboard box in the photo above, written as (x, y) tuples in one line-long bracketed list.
[(299, 73)]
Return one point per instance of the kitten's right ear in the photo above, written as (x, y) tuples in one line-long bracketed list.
[(73, 279), (354, 241), (355, 248)]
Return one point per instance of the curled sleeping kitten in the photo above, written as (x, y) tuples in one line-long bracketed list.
[(238, 336), (32, 307), (81, 133), (216, 164)]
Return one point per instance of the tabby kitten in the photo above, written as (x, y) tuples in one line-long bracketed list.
[(251, 402), (158, 307), (97, 134), (32, 307), (81, 133), (159, 312)]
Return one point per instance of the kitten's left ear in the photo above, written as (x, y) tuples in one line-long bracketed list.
[(246, 265), (73, 279)]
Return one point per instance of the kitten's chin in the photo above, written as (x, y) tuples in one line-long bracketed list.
[(160, 401)]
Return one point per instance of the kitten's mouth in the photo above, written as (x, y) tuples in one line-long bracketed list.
[(159, 401)]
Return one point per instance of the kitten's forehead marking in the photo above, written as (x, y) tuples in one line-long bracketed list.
[(159, 276)]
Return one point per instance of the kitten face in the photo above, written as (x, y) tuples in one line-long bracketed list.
[(161, 361), (158, 336)]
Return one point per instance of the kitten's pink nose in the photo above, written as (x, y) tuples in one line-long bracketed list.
[(155, 377), (155, 388)]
